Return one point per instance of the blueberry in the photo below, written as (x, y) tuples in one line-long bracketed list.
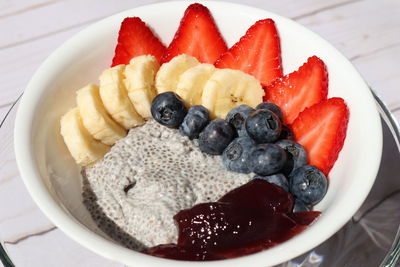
[(168, 109), (235, 155), (272, 107), (278, 179), (216, 136), (296, 155), (299, 206), (237, 116), (308, 184), (266, 159), (286, 133), (194, 122), (263, 126)]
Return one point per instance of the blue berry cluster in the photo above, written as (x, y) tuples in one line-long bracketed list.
[(250, 141)]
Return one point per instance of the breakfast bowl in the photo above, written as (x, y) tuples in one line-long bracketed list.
[(54, 179)]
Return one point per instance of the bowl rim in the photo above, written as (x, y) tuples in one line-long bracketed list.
[(100, 245)]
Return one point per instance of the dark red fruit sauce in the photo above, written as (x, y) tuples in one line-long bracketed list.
[(248, 219)]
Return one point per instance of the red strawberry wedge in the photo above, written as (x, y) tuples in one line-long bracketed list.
[(257, 53), (136, 39), (321, 129), (197, 36), (299, 89)]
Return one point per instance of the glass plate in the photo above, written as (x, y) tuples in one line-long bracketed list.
[(369, 239)]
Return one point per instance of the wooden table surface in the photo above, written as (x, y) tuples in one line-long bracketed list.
[(366, 31)]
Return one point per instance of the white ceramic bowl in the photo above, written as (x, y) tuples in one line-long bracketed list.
[(53, 179)]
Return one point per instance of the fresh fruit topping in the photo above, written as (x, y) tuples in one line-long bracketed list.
[(192, 81), (194, 122), (136, 39), (83, 147), (286, 133), (95, 117), (115, 98), (299, 206), (308, 184), (272, 107), (216, 136), (257, 53), (321, 130), (168, 109), (266, 159), (263, 126), (277, 179), (269, 209), (197, 36), (235, 155), (237, 116), (296, 155), (299, 89), (139, 81), (168, 76), (227, 89)]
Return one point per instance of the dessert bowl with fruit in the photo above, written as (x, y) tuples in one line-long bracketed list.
[(251, 139)]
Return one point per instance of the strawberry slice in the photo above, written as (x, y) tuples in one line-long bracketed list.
[(197, 36), (321, 129), (136, 39), (299, 89), (257, 53)]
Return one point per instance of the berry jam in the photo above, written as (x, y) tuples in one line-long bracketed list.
[(246, 220)]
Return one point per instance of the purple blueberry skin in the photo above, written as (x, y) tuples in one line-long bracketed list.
[(236, 154), (308, 184), (278, 179), (263, 126), (296, 155), (286, 133), (299, 206), (216, 136), (194, 122), (266, 159), (237, 117), (168, 109), (272, 107)]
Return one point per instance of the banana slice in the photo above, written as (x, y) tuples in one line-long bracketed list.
[(95, 118), (168, 76), (82, 146), (139, 81), (191, 83), (115, 98), (227, 89)]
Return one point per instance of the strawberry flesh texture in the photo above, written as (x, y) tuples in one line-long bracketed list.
[(257, 53), (321, 129), (197, 36), (136, 39), (299, 89)]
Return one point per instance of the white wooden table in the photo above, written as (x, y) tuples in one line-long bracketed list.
[(366, 31)]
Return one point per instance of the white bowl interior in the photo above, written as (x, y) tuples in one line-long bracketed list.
[(54, 180)]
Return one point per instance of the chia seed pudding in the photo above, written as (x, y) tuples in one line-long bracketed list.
[(154, 172)]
